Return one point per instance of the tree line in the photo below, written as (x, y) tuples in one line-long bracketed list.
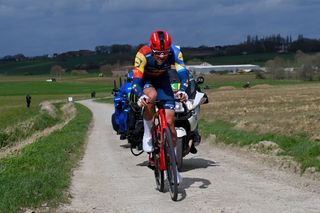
[(105, 58), (306, 68), (252, 45)]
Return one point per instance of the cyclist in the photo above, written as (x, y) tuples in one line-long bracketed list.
[(122, 107), (151, 81)]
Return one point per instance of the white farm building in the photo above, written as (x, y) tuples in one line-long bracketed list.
[(207, 68)]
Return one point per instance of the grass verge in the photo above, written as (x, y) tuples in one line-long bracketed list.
[(41, 173), (305, 152), (21, 130)]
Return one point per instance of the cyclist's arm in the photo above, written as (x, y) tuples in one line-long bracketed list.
[(181, 69), (139, 65)]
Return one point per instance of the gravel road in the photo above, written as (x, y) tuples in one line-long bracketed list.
[(216, 179)]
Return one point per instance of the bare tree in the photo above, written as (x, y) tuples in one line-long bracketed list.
[(57, 71), (106, 69), (276, 68), (308, 66)]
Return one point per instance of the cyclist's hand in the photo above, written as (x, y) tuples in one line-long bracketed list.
[(143, 101), (182, 95)]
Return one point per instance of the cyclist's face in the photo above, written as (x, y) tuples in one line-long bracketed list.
[(160, 56)]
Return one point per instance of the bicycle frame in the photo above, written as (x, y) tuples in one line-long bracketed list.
[(160, 115)]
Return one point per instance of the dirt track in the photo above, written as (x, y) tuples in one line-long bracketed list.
[(111, 179)]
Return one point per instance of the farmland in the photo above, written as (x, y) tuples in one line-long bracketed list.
[(287, 115), (287, 110)]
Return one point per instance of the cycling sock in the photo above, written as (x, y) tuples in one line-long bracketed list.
[(147, 138), (147, 127)]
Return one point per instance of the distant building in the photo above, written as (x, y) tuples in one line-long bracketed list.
[(207, 68)]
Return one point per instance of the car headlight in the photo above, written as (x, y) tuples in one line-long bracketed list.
[(179, 107)]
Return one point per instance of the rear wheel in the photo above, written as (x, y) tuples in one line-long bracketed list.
[(171, 166)]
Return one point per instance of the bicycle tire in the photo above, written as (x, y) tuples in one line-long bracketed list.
[(171, 166), (179, 152), (158, 174)]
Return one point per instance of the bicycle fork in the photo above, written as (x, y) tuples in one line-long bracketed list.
[(162, 160)]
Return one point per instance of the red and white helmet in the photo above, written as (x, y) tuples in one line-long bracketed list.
[(160, 41)]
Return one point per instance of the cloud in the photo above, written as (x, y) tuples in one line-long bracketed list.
[(43, 26)]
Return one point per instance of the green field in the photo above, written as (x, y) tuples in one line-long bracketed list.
[(14, 112), (13, 105), (214, 81), (46, 88)]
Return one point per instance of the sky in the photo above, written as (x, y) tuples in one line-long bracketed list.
[(39, 27)]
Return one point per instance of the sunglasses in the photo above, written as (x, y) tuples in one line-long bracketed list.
[(161, 53)]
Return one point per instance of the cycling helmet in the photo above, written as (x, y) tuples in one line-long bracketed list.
[(130, 76), (160, 41)]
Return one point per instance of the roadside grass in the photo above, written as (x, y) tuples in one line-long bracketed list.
[(20, 131), (304, 151), (41, 173), (19, 122)]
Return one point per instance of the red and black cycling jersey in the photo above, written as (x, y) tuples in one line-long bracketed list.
[(146, 67)]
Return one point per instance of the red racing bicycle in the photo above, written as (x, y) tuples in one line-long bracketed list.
[(164, 155)]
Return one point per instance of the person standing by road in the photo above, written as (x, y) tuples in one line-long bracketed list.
[(28, 100)]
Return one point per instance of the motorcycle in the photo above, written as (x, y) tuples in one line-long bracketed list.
[(135, 128), (186, 122)]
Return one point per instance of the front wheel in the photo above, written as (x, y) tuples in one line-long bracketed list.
[(158, 174), (179, 152), (171, 166)]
